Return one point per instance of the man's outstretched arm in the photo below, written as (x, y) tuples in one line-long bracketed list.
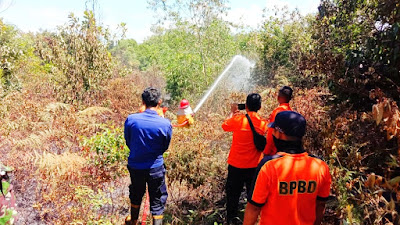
[(251, 214)]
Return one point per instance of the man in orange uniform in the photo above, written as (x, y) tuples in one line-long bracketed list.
[(243, 156), (185, 114), (284, 97), (291, 187)]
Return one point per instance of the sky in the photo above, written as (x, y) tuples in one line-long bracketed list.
[(36, 15)]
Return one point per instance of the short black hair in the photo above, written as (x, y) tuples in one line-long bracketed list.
[(286, 92), (151, 96), (253, 102)]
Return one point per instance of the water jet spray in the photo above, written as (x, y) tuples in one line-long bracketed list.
[(216, 82)]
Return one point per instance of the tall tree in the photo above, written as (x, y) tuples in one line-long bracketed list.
[(10, 53), (79, 57), (210, 44), (283, 40)]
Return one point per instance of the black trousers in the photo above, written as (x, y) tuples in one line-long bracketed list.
[(237, 177), (155, 179)]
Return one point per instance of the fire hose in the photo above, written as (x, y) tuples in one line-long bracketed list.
[(146, 208), (180, 125)]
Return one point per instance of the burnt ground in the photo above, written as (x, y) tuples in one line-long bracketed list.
[(25, 194)]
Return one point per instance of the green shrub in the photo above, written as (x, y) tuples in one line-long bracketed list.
[(88, 205), (108, 151), (125, 51), (356, 46)]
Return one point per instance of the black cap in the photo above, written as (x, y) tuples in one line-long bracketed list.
[(287, 91), (290, 123)]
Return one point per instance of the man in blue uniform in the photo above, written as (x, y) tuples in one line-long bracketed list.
[(148, 136)]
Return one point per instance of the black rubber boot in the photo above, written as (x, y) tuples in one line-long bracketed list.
[(235, 221), (134, 215), (157, 219), (128, 221)]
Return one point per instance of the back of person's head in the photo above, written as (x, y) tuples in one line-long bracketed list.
[(151, 96), (253, 102), (285, 93), (290, 123)]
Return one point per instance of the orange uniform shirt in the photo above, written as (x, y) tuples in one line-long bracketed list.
[(270, 148), (160, 111), (287, 187), (183, 118), (243, 153)]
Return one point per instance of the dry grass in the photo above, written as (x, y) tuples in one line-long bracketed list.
[(62, 183), (36, 128), (47, 132)]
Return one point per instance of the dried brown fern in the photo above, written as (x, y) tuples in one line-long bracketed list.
[(35, 141), (56, 167)]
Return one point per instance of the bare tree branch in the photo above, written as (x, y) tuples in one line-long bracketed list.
[(5, 4)]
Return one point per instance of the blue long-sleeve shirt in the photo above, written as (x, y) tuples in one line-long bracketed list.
[(147, 136)]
